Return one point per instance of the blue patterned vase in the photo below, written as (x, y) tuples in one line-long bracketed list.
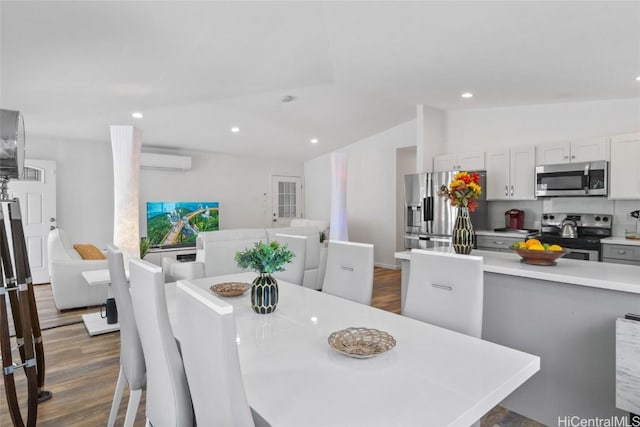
[(463, 236), (264, 294)]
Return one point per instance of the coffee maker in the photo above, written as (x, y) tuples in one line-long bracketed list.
[(514, 219)]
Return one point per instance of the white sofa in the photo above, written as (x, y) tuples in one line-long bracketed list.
[(216, 249), (70, 290)]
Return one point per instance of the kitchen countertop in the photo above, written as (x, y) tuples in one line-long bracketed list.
[(603, 275), (619, 241)]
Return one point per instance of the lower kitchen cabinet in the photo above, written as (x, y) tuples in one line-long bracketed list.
[(621, 254), (496, 243)]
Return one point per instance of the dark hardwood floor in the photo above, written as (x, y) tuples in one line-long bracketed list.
[(82, 370)]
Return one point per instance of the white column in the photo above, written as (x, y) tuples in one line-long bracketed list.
[(126, 144), (338, 227), (431, 136)]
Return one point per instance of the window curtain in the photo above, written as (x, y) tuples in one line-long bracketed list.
[(126, 144), (338, 227)]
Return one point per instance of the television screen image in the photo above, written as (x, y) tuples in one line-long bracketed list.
[(178, 223)]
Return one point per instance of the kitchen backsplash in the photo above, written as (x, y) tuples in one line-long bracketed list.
[(532, 212), (533, 209)]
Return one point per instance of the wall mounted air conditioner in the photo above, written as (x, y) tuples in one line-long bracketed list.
[(165, 161)]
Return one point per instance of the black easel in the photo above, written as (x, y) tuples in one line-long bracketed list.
[(19, 288)]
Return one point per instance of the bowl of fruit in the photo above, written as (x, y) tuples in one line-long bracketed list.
[(536, 253)]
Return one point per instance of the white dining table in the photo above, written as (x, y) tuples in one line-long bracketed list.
[(292, 377)]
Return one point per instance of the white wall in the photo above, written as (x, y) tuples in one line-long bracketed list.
[(242, 185), (84, 181), (488, 128), (371, 189)]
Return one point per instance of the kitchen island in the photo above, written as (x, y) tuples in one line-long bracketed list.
[(566, 315)]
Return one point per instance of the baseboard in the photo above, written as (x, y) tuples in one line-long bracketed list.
[(388, 266)]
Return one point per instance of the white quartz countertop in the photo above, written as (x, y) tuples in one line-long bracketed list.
[(603, 275), (619, 241)]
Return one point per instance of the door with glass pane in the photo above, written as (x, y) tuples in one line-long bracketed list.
[(37, 195), (287, 200)]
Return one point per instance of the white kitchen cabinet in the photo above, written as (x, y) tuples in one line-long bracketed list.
[(511, 174), (624, 179), (471, 161), (585, 150)]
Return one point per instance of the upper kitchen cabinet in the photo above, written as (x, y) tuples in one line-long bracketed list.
[(462, 161), (624, 180), (585, 150), (511, 174)]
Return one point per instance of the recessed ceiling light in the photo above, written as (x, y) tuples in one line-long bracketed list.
[(638, 78), (136, 115), (235, 129), (314, 140), (467, 95)]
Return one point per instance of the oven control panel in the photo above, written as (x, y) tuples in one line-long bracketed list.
[(581, 220)]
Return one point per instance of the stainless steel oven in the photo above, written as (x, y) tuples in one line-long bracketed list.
[(583, 254), (591, 228), (572, 179)]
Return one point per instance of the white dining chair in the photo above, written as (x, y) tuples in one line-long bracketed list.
[(132, 366), (446, 289), (349, 271), (168, 402), (207, 335), (293, 271)]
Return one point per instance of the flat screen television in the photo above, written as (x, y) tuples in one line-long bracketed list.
[(178, 223)]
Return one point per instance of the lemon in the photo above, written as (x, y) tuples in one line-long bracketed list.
[(522, 245), (536, 247), (555, 248)]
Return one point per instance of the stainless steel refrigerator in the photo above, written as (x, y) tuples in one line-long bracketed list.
[(429, 217)]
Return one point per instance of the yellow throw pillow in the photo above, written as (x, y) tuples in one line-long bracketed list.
[(89, 252)]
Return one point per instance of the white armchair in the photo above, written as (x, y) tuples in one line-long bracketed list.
[(70, 290)]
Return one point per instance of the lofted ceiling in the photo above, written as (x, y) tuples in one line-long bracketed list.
[(197, 68)]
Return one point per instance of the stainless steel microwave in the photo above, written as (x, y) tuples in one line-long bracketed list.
[(572, 179)]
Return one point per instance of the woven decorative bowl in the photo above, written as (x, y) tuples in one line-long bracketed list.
[(361, 343), (540, 257), (230, 289)]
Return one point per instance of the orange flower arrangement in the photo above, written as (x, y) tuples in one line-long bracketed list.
[(463, 190)]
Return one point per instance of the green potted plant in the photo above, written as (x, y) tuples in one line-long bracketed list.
[(265, 259), (144, 247)]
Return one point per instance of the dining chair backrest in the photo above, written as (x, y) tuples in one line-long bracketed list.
[(446, 289), (349, 271), (131, 355), (207, 334), (168, 401), (293, 271), (220, 247)]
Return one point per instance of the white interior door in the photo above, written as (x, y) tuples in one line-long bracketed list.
[(287, 199), (37, 195)]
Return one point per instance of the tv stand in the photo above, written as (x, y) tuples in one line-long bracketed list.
[(182, 254)]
